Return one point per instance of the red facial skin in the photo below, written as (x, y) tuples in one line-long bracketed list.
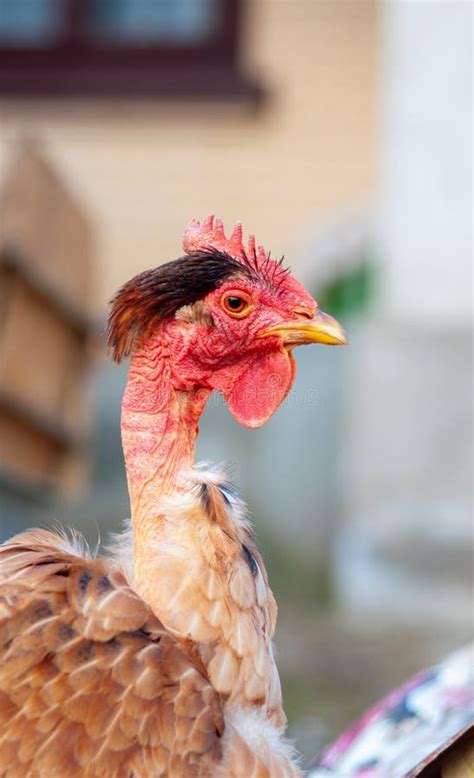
[(253, 373)]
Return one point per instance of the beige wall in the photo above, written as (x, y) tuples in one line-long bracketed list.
[(143, 169)]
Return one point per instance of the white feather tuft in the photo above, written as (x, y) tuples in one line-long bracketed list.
[(120, 547), (262, 736), (71, 541)]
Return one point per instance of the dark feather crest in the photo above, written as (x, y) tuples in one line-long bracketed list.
[(157, 294)]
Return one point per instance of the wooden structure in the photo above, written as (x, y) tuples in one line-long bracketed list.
[(45, 287)]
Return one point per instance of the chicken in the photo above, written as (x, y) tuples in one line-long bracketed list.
[(157, 661)]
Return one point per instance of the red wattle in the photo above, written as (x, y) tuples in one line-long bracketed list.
[(261, 388)]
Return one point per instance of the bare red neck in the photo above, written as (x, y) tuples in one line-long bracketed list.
[(159, 428)]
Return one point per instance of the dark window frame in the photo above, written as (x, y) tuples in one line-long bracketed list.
[(78, 66)]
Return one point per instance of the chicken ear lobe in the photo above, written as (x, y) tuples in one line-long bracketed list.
[(261, 388)]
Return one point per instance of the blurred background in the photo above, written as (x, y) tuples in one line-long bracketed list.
[(340, 132)]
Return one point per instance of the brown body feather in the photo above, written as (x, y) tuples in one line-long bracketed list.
[(93, 685)]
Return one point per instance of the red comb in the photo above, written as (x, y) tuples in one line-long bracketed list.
[(210, 234)]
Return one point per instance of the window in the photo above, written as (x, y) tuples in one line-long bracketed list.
[(29, 23), (142, 22), (170, 48)]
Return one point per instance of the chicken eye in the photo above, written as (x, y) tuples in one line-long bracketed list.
[(236, 305)]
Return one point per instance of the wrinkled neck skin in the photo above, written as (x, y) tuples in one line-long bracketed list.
[(160, 416)]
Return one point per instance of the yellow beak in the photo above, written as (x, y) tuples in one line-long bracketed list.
[(322, 328)]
